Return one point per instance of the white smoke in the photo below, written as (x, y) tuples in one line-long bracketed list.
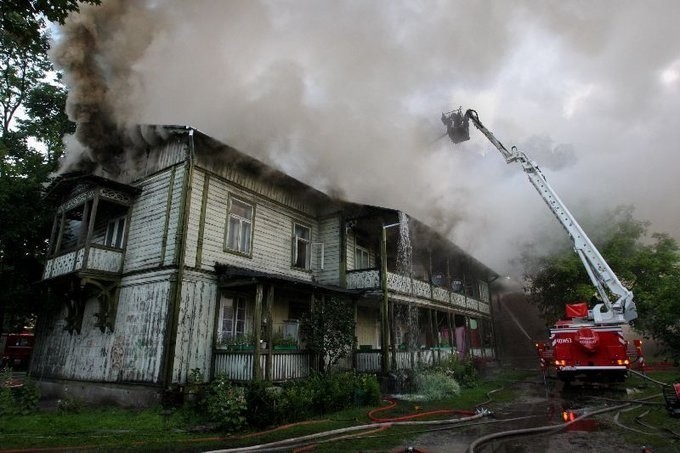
[(347, 96)]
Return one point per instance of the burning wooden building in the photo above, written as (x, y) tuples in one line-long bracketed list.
[(203, 260)]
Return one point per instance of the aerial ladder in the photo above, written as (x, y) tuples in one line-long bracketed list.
[(597, 331)]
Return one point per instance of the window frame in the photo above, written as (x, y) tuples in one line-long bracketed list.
[(117, 232), (239, 304), (296, 240), (360, 250), (241, 220)]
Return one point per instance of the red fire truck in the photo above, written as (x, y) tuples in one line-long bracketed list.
[(17, 349), (588, 344)]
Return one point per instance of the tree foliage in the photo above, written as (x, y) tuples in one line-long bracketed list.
[(32, 125), (328, 330), (648, 264)]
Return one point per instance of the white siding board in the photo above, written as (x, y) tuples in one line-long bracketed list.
[(131, 353), (174, 218), (147, 223), (329, 235), (194, 341), (272, 233)]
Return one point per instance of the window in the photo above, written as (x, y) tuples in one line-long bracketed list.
[(232, 318), (115, 232), (302, 249), (239, 226), (361, 258)]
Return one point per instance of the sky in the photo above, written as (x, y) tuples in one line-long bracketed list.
[(347, 96)]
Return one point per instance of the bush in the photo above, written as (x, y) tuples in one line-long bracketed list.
[(339, 391), (317, 394), (225, 405), (434, 385), (16, 398), (263, 404), (462, 370), (297, 400)]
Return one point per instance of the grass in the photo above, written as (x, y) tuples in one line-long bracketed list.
[(657, 437), (104, 428), (155, 429)]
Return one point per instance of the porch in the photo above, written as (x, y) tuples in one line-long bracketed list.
[(237, 366)]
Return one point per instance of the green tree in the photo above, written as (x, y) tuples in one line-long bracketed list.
[(328, 330), (649, 265), (31, 129)]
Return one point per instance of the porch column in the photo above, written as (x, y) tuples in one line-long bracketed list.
[(393, 335), (449, 325), (257, 330), (355, 343), (84, 225), (62, 222), (90, 229), (53, 238), (384, 312), (269, 332)]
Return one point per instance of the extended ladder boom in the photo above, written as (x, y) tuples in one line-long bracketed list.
[(623, 308)]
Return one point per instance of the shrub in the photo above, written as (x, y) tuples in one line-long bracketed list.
[(225, 405), (263, 404), (462, 370), (297, 400), (434, 385), (17, 398)]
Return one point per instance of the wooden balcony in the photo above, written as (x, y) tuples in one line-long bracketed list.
[(93, 259), (406, 287)]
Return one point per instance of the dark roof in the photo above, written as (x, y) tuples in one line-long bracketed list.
[(64, 183), (227, 272)]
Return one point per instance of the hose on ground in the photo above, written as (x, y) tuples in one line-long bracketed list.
[(288, 444), (644, 376), (541, 429), (393, 403)]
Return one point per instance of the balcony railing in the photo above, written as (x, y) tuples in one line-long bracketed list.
[(370, 279), (99, 259), (238, 365)]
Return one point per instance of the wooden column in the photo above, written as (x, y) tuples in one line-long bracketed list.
[(90, 230), (393, 335), (84, 225), (269, 333), (449, 327), (53, 238), (257, 330), (384, 312), (62, 223)]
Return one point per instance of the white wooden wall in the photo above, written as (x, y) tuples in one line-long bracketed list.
[(196, 325), (272, 226), (131, 353), (329, 235), (153, 231)]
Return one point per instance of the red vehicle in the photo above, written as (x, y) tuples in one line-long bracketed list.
[(579, 350), (17, 349), (587, 343)]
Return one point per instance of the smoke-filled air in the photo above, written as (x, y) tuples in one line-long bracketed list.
[(347, 97)]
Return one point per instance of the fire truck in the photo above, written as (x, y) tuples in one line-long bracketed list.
[(587, 344)]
